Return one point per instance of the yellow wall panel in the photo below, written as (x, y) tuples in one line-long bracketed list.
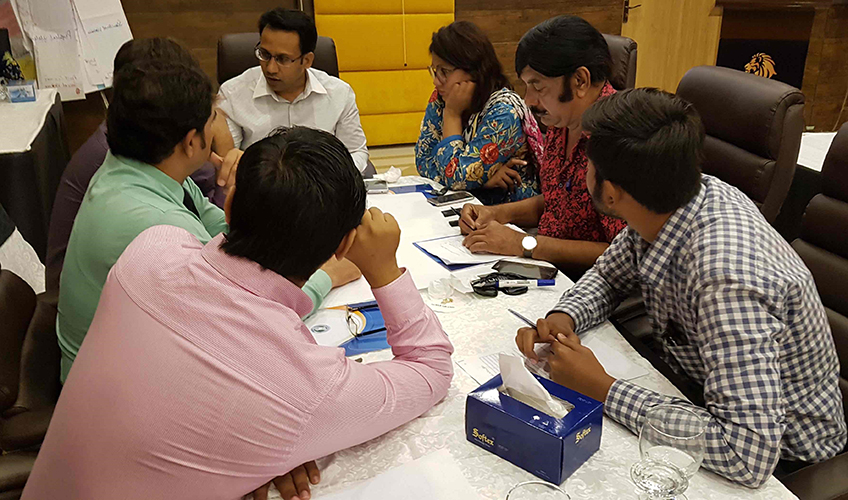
[(365, 42), (400, 128), (419, 33), (383, 6), (380, 92)]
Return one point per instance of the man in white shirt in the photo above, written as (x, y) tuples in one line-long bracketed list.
[(285, 90)]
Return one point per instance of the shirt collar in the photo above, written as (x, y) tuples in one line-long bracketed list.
[(312, 86), (256, 279), (170, 188), (676, 231)]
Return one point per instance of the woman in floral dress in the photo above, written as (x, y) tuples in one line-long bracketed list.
[(475, 123)]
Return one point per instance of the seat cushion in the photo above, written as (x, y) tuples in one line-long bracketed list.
[(17, 304), (24, 430)]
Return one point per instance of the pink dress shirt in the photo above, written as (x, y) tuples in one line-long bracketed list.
[(198, 379)]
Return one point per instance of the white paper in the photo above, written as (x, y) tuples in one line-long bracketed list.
[(51, 28), (814, 148), (106, 34), (436, 476), (452, 252), (521, 385), (329, 327)]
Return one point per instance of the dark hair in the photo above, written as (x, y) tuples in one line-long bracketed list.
[(154, 105), (160, 48), (463, 45), (560, 45), (292, 20), (298, 193), (649, 143)]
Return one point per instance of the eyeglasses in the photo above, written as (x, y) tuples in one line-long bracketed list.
[(487, 285), (281, 59), (356, 320), (439, 73)]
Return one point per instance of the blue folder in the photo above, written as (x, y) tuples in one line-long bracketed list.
[(374, 322)]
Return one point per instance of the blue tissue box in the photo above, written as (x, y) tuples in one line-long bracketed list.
[(545, 446), (21, 90)]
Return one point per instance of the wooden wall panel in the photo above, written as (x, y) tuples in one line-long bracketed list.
[(827, 70), (505, 21)]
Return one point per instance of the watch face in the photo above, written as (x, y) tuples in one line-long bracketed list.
[(528, 243)]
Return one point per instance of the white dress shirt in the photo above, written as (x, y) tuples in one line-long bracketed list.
[(326, 103)]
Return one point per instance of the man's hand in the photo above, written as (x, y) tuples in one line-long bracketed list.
[(226, 167), (459, 97), (495, 238), (576, 367), (474, 217), (341, 272), (292, 486), (544, 333), (374, 248), (503, 177)]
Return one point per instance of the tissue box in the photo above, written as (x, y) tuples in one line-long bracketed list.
[(547, 447), (21, 90)]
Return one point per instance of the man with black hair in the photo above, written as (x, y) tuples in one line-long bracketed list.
[(732, 306), (285, 90), (214, 385), (565, 64), (159, 131)]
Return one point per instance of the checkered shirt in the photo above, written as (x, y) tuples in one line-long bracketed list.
[(735, 309)]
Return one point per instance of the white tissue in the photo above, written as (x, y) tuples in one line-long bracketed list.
[(391, 175), (521, 385)]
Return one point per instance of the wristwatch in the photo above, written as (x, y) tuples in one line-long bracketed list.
[(529, 244)]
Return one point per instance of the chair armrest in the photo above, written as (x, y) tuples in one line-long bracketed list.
[(822, 481), (24, 430)]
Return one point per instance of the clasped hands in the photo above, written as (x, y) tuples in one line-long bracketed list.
[(573, 365)]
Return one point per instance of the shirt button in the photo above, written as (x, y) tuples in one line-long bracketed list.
[(560, 184)]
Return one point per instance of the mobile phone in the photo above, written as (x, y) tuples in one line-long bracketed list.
[(376, 186), (448, 199), (529, 271)]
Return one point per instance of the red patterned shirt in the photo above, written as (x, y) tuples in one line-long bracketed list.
[(569, 213)]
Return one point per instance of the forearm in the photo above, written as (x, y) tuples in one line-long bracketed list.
[(222, 139), (452, 123), (741, 454), (369, 400), (589, 302), (524, 213), (568, 253)]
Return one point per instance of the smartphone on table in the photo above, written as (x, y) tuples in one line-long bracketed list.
[(450, 199)]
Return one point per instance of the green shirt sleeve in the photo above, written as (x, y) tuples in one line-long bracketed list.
[(317, 288), (211, 216)]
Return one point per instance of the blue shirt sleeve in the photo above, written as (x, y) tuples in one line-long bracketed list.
[(460, 165)]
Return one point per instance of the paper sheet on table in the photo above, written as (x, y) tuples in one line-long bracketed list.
[(329, 327), (814, 148), (436, 476), (417, 219), (482, 368)]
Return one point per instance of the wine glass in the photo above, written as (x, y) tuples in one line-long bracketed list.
[(536, 490), (671, 446)]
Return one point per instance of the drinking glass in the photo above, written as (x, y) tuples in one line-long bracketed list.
[(536, 490), (671, 446)]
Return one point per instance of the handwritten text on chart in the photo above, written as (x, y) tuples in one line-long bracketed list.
[(110, 26), (50, 37)]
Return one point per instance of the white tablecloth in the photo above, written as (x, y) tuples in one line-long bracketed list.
[(21, 121), (484, 326)]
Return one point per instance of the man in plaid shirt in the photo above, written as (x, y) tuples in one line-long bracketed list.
[(731, 304)]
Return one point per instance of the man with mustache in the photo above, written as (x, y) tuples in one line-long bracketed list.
[(565, 63)]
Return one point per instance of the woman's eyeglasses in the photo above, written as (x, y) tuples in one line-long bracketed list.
[(439, 73), (356, 320), (281, 59)]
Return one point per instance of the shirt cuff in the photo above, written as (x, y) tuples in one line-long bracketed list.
[(580, 315), (399, 300), (321, 282), (447, 140), (625, 401)]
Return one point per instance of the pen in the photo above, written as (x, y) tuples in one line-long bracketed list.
[(530, 283), (522, 318)]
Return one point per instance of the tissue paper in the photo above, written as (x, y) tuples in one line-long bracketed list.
[(521, 385)]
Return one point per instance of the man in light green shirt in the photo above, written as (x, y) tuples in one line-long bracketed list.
[(157, 128)]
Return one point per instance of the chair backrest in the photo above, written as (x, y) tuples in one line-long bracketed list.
[(753, 127), (236, 55), (623, 52), (823, 246)]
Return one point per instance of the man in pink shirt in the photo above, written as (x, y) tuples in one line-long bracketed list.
[(197, 378)]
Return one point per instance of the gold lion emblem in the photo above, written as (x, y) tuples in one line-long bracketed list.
[(761, 65)]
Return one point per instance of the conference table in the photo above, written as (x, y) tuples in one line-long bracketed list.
[(481, 326)]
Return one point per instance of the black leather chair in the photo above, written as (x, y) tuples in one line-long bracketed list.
[(753, 127), (623, 52), (236, 55), (823, 246), (29, 378)]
